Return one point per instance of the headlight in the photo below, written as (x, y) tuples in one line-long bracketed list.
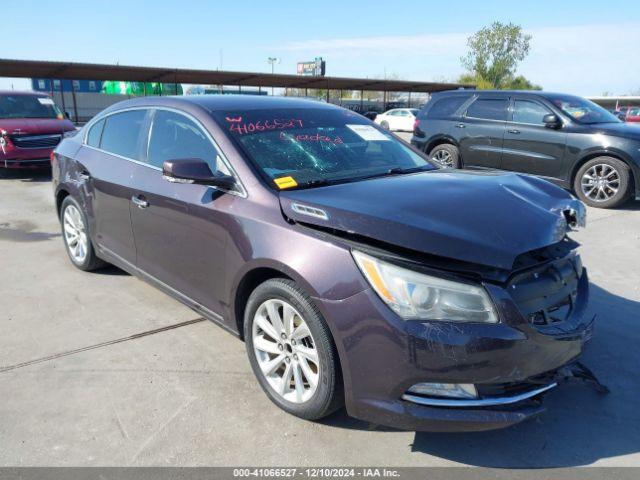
[(414, 295)]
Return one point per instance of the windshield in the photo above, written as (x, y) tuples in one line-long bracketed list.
[(28, 106), (315, 146), (583, 111), (414, 111)]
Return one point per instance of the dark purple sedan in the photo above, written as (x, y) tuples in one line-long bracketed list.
[(357, 272)]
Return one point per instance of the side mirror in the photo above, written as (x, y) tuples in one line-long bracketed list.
[(551, 121), (195, 170)]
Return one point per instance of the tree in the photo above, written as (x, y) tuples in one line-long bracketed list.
[(495, 51), (521, 83)]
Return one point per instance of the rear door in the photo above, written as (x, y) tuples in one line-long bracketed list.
[(529, 146), (181, 229), (107, 164), (481, 132)]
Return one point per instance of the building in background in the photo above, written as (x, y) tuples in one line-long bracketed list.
[(46, 85)]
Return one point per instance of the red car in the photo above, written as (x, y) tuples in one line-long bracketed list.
[(31, 125), (631, 114)]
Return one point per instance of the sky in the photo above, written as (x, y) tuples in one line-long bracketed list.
[(582, 47)]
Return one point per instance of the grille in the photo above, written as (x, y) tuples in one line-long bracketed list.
[(36, 141), (547, 295)]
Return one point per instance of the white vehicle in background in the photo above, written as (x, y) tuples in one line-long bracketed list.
[(398, 119)]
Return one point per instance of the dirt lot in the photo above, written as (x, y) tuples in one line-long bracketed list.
[(186, 395)]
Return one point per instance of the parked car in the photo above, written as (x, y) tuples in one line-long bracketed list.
[(355, 270), (630, 114), (397, 119), (31, 125), (567, 140)]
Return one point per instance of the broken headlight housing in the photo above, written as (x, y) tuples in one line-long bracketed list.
[(417, 296)]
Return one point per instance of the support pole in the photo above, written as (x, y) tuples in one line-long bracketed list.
[(409, 106), (361, 101), (75, 104), (64, 106)]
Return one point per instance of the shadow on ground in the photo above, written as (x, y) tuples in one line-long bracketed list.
[(26, 175), (580, 426)]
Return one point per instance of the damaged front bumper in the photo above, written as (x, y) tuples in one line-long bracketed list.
[(512, 364)]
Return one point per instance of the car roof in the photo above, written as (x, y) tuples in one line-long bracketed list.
[(480, 93), (219, 102)]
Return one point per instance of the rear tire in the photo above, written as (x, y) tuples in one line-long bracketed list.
[(603, 182), (446, 155), (282, 357), (75, 234)]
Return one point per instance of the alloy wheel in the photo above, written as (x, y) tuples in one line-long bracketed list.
[(600, 183), (444, 158), (286, 351), (75, 234)]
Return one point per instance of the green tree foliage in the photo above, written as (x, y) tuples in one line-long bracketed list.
[(494, 54)]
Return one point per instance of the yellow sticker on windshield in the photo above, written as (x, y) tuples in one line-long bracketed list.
[(285, 182)]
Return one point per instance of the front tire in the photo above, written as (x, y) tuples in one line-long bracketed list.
[(384, 124), (75, 233), (291, 350), (603, 182), (446, 155)]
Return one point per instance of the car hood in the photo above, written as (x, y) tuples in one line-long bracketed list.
[(35, 126), (484, 218), (625, 130)]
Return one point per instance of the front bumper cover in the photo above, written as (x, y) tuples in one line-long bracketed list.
[(382, 356)]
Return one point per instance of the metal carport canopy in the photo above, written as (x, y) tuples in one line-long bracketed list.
[(93, 71)]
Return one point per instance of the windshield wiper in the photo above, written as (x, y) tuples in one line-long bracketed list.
[(323, 182), (396, 171)]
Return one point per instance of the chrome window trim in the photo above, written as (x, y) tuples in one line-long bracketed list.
[(480, 402), (242, 190)]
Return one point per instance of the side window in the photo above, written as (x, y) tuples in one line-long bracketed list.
[(393, 113), (95, 132), (445, 107), (121, 133), (174, 136), (488, 109), (525, 111)]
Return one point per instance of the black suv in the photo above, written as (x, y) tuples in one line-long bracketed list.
[(565, 139)]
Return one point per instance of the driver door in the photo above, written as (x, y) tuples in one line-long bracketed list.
[(180, 230)]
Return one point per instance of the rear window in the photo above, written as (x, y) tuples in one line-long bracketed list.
[(93, 137), (122, 132), (488, 109), (446, 107)]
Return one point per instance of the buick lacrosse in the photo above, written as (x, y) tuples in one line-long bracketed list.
[(356, 271)]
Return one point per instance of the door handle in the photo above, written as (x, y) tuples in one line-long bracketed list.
[(139, 201), (514, 131), (460, 125)]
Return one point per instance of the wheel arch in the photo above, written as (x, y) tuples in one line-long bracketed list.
[(249, 281), (61, 194), (439, 140)]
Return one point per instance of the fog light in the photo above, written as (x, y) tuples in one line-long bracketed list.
[(450, 390)]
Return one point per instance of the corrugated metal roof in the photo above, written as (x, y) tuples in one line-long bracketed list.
[(92, 71)]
